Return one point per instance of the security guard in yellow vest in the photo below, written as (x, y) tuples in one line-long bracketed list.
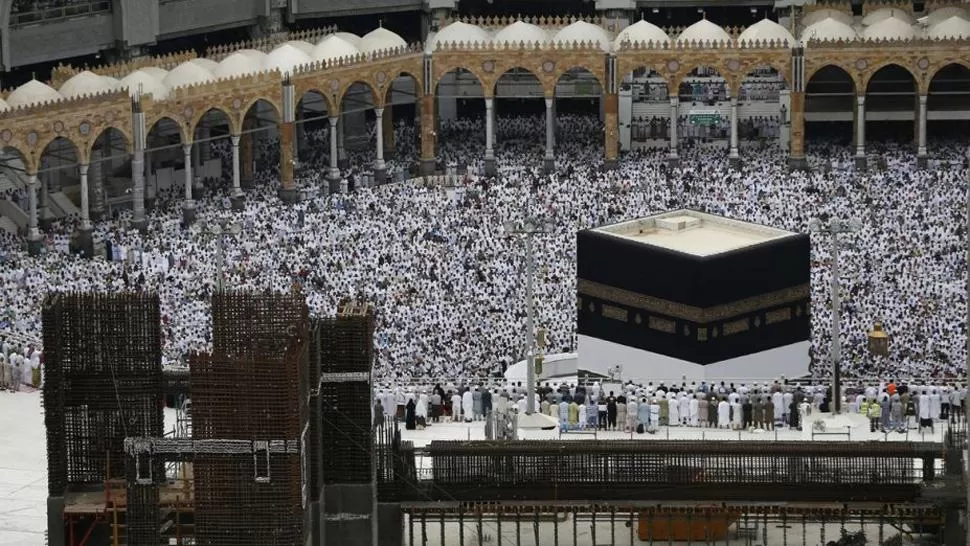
[(874, 412)]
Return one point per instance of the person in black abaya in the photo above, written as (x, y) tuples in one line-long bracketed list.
[(410, 422)]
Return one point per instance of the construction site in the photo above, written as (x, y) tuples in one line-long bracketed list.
[(275, 443)]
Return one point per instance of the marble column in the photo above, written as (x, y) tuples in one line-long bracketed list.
[(921, 156), (35, 241), (673, 158), (45, 217), (246, 164), (188, 207), (860, 135), (380, 169), (611, 130), (491, 169), (428, 135), (85, 242), (238, 196), (733, 156), (334, 160), (342, 159), (288, 191), (390, 143), (549, 162)]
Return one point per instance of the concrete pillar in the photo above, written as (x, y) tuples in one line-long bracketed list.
[(96, 184), (673, 158), (428, 135), (238, 196), (188, 207), (796, 157), (380, 169), (334, 165), (35, 241), (289, 192), (733, 156), (138, 220), (491, 169), (611, 130), (860, 143), (246, 164), (342, 159), (390, 143), (549, 162), (921, 155), (45, 218), (85, 242)]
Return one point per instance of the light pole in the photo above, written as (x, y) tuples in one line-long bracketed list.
[(220, 228), (529, 226), (835, 227)]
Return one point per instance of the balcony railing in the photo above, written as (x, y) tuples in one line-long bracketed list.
[(59, 12)]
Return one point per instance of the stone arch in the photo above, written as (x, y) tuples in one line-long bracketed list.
[(418, 91), (930, 76), (650, 68), (440, 71), (567, 68), (547, 91), (748, 67), (53, 174), (43, 145), (107, 131), (875, 69), (248, 106), (849, 72), (377, 99), (171, 118), (301, 91), (25, 158), (199, 116), (676, 80)]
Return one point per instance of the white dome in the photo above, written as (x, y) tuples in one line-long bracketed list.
[(286, 57), (146, 83), (942, 14), (187, 73), (84, 83), (889, 29), (333, 48), (3, 106), (114, 83), (953, 28), (32, 92), (581, 31), (704, 31), (158, 73), (302, 45), (887, 13), (237, 64), (380, 39), (348, 37), (207, 64), (827, 13), (458, 32), (253, 54), (766, 30), (828, 30), (641, 32), (519, 32)]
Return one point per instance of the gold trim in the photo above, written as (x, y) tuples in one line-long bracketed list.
[(663, 325), (702, 334), (686, 312), (778, 315), (615, 313), (736, 327)]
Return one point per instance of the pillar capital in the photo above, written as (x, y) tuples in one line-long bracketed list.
[(235, 140), (489, 103), (549, 102), (333, 121), (922, 99), (734, 102), (674, 101), (860, 100), (187, 149), (379, 112), (83, 168)]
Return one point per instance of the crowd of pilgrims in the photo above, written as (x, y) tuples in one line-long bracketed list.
[(449, 282), (645, 407)]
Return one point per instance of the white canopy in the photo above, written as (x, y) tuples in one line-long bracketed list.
[(85, 83), (942, 14), (827, 13), (348, 37), (255, 55), (187, 73), (704, 31), (158, 73), (766, 30), (519, 32), (139, 80), (380, 39), (32, 92), (887, 13), (948, 29), (581, 31), (641, 32), (332, 48), (207, 64), (302, 45), (828, 30)]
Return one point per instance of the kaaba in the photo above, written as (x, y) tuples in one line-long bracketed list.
[(689, 294)]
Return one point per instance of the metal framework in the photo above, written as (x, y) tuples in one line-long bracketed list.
[(102, 383)]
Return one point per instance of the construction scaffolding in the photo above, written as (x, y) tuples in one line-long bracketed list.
[(102, 383)]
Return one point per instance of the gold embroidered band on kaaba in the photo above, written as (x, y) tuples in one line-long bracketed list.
[(690, 313)]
